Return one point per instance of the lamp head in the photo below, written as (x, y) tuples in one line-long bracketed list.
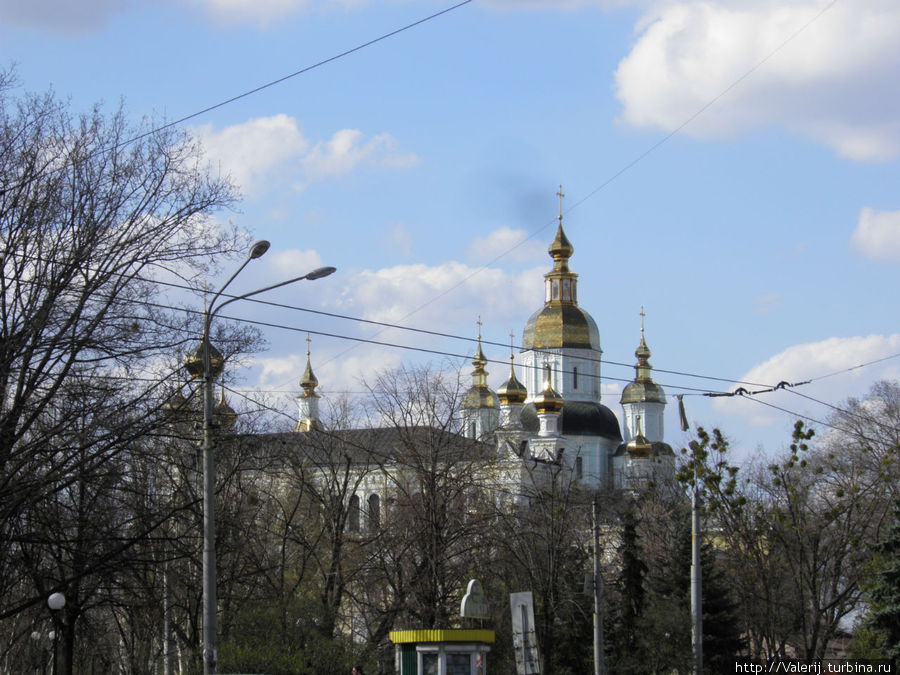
[(258, 249), (56, 601), (320, 272)]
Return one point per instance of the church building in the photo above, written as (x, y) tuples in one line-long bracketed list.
[(557, 415)]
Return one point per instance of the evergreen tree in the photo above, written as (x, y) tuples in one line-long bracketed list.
[(625, 640), (882, 624), (667, 621)]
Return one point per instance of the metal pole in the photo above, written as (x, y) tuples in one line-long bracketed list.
[(209, 515), (696, 582), (598, 581), (209, 467)]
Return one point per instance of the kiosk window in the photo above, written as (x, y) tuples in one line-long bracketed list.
[(459, 664)]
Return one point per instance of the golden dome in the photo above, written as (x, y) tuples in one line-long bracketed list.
[(639, 446), (560, 326), (643, 388), (193, 362), (309, 381), (224, 413), (560, 248), (479, 394), (548, 401), (560, 323), (176, 404), (512, 392)]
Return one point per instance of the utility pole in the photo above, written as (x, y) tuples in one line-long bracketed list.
[(598, 589), (696, 581)]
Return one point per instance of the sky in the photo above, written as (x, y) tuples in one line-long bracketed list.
[(729, 166)]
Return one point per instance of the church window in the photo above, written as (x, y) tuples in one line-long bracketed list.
[(353, 514), (567, 289), (555, 286), (374, 519), (472, 428), (575, 377), (579, 467)]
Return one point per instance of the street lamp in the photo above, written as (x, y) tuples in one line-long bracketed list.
[(207, 364)]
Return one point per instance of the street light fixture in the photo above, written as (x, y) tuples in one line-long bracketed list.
[(211, 363)]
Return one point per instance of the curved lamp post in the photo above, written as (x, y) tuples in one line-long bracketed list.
[(212, 364)]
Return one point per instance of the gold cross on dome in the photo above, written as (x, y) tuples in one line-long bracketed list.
[(560, 194)]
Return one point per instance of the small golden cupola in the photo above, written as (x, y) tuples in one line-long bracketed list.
[(548, 405), (176, 406), (308, 400), (480, 405), (193, 361), (639, 445), (512, 394), (224, 414), (643, 388)]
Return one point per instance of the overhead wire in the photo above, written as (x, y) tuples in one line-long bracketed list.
[(740, 391), (181, 120), (573, 206)]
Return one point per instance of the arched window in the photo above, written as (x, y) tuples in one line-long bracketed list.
[(353, 514), (575, 377), (579, 467), (374, 516)]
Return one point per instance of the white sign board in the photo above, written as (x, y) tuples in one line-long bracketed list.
[(525, 646)]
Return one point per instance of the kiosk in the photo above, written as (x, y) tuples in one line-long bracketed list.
[(441, 652)]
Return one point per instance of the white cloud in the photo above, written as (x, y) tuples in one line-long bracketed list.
[(560, 4), (833, 81), (255, 150), (509, 243), (814, 360), (443, 295), (877, 234), (262, 153), (346, 150), (263, 12)]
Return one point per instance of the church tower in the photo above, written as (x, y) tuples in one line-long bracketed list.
[(644, 459), (643, 399), (564, 338), (480, 406), (308, 401)]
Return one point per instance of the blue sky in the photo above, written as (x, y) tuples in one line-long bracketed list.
[(729, 165)]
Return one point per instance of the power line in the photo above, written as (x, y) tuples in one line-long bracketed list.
[(255, 90)]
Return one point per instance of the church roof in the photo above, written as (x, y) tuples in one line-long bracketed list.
[(560, 326), (371, 446), (578, 418)]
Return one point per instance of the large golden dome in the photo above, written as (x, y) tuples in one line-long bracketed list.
[(560, 323), (555, 327)]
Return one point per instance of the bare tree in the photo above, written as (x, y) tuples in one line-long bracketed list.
[(93, 211)]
